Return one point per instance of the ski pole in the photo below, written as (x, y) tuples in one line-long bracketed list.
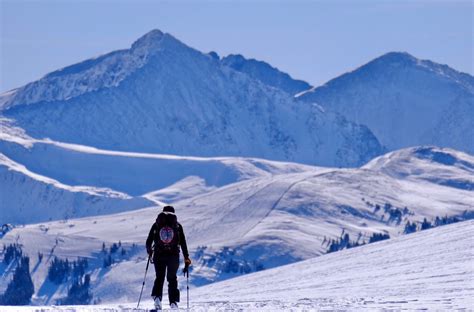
[(187, 289), (143, 285)]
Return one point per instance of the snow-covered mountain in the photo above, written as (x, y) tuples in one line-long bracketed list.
[(162, 96), (404, 101), (276, 218), (265, 73)]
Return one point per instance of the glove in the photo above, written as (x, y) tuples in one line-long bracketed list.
[(149, 251), (187, 263)]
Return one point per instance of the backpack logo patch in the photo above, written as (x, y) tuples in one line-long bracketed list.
[(166, 235)]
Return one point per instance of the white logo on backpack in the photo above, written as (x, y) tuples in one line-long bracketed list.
[(166, 234)]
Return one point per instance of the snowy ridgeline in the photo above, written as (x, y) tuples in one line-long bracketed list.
[(161, 96), (279, 213), (430, 270)]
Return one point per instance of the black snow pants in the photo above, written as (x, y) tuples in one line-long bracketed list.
[(166, 264)]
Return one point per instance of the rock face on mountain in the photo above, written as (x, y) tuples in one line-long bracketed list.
[(404, 101), (265, 73), (162, 96)]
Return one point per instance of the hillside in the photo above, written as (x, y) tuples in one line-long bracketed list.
[(69, 181), (430, 270), (275, 219), (26, 197)]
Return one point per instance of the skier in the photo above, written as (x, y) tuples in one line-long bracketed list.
[(167, 235)]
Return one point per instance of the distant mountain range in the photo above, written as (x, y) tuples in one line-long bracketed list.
[(162, 96)]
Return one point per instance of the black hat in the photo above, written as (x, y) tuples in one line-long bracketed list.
[(168, 209)]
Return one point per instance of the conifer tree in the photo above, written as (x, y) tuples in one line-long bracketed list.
[(21, 288)]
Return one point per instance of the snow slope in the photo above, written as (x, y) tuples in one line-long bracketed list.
[(27, 196), (404, 101), (429, 270), (161, 96), (52, 174), (292, 217), (274, 219)]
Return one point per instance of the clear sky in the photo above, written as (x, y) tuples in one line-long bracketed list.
[(311, 40)]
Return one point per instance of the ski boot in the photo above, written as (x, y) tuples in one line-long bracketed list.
[(157, 304)]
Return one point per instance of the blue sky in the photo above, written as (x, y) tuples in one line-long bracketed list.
[(311, 40)]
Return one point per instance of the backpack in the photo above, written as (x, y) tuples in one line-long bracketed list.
[(167, 233)]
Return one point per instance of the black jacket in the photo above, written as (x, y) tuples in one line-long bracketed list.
[(182, 240)]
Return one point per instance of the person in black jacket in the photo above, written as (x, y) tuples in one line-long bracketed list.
[(167, 235)]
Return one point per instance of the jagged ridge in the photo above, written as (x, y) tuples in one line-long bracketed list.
[(162, 96)]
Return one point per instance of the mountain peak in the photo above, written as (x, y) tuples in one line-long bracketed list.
[(395, 58), (397, 55), (405, 101), (149, 40), (105, 71)]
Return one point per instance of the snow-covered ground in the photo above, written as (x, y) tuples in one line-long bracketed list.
[(69, 181), (428, 270), (276, 218), (433, 269)]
